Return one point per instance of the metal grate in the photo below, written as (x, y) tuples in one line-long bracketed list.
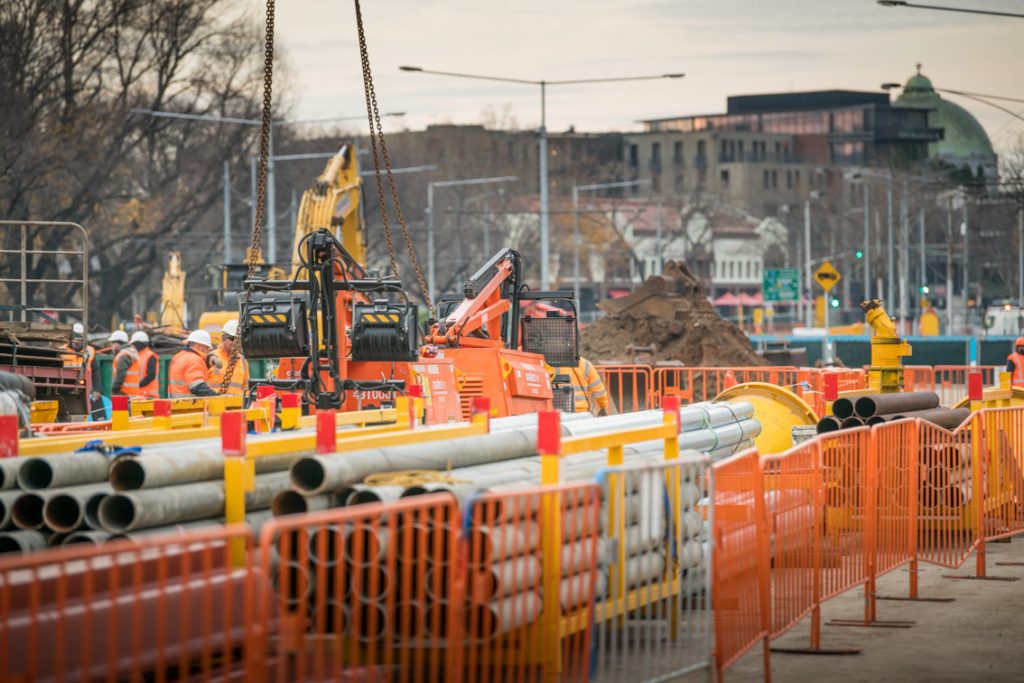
[(555, 338), (563, 398)]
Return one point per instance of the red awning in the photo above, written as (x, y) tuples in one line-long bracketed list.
[(727, 299), (617, 293), (751, 299)]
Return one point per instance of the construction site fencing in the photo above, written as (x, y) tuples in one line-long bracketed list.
[(951, 380), (693, 385), (795, 529), (156, 609), (652, 616), (631, 387)]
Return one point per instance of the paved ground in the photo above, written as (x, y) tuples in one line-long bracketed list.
[(979, 637)]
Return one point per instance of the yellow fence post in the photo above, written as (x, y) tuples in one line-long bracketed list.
[(549, 445), (120, 418), (239, 477), (290, 411)]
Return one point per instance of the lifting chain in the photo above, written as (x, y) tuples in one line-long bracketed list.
[(254, 256), (377, 138)]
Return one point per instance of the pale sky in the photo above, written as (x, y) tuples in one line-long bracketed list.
[(724, 46)]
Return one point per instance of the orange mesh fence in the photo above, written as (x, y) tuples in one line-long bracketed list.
[(1004, 490), (810, 384), (794, 502), (918, 378), (946, 522), (631, 387), (531, 582), (896, 485), (158, 609), (693, 385), (951, 381), (740, 561), (849, 509), (652, 620), (369, 591)]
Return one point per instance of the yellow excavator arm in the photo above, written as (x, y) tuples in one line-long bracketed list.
[(334, 203)]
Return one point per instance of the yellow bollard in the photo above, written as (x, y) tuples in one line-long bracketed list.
[(120, 417), (239, 477), (549, 437)]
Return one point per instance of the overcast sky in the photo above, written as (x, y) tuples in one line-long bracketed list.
[(724, 46)]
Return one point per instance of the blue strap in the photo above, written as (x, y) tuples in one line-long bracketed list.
[(94, 445), (122, 452)]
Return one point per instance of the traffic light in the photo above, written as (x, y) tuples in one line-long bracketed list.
[(860, 254), (835, 302), (924, 289)]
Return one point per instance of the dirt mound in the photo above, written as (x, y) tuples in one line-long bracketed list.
[(671, 315)]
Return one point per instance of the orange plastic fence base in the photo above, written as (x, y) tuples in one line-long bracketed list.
[(982, 578), (819, 650), (910, 599), (873, 624)]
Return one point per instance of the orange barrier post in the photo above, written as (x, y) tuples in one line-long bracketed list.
[(8, 436)]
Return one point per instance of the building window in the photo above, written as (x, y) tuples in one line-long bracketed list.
[(767, 179), (732, 271), (778, 150), (796, 179), (775, 180), (739, 150), (789, 180), (634, 156), (725, 150), (656, 183), (679, 183), (656, 152), (724, 177), (702, 152), (677, 153)]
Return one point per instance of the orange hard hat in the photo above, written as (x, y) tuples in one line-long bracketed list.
[(1019, 342)]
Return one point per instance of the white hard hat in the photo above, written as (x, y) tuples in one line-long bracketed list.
[(118, 336), (230, 328), (78, 329), (139, 336), (200, 337)]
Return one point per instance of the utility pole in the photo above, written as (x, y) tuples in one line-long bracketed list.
[(227, 212), (867, 242), (967, 270), (904, 259), (924, 258), (949, 266), (1020, 256), (891, 287), (658, 245), (808, 275)]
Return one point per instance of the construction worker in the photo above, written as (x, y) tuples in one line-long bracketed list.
[(588, 388), (141, 378), (81, 355), (1015, 363), (125, 355), (188, 375), (220, 360)]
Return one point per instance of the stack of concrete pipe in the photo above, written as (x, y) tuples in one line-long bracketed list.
[(849, 413), (945, 479)]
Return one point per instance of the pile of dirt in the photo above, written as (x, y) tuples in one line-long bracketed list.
[(671, 316)]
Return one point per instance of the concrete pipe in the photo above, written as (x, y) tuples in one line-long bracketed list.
[(889, 404), (325, 546), (842, 408), (436, 582), (132, 510), (370, 583), (294, 503), (947, 418), (254, 520), (582, 590), (292, 584), (54, 540), (9, 473), (366, 544), (155, 470), (829, 424), (852, 422), (436, 617), (409, 618), (22, 541), (327, 473), (362, 494), (58, 471), (487, 621), (65, 511), (87, 537), (505, 578), (7, 499), (92, 510), (27, 511), (644, 568)]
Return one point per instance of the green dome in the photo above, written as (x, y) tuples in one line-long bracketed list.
[(964, 140)]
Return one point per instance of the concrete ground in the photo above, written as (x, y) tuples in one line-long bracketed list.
[(978, 637)]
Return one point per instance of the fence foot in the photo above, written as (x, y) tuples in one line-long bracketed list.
[(819, 650), (873, 624), (982, 578), (1009, 564), (909, 599)]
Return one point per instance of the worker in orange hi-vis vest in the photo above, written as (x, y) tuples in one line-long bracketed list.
[(188, 375), (589, 392), (141, 378), (220, 360), (1015, 363)]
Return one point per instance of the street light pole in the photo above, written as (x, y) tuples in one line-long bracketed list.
[(914, 5), (1020, 256), (431, 270), (891, 285), (867, 242), (227, 212), (542, 146), (808, 275)]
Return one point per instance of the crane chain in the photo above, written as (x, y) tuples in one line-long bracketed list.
[(256, 247), (377, 138)]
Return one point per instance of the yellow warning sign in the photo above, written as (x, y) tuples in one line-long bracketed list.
[(827, 276)]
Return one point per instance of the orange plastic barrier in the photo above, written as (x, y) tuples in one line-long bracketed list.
[(693, 385), (951, 381), (631, 387), (739, 573), (918, 378), (129, 611), (1004, 440)]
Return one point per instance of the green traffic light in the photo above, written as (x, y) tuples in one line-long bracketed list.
[(835, 303), (860, 254)]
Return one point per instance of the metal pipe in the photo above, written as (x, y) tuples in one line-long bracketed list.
[(7, 499), (92, 509), (56, 471), (254, 520), (947, 418), (487, 621), (335, 618), (842, 408), (852, 422), (369, 621), (887, 404), (65, 511), (362, 494), (131, 510), (27, 511), (22, 541), (829, 424)]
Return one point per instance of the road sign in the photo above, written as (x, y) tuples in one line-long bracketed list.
[(827, 276), (781, 284)]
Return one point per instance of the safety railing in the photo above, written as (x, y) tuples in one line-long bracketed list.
[(846, 508), (630, 387), (951, 380), (150, 609), (693, 385)]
